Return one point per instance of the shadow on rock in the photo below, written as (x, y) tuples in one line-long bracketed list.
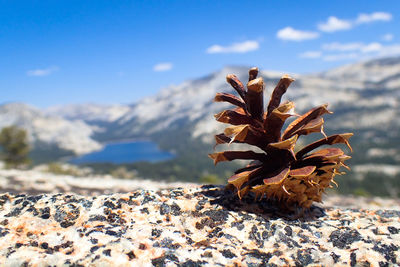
[(267, 209)]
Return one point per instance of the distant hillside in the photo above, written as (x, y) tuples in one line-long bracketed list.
[(49, 130)]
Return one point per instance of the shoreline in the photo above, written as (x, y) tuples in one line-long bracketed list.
[(127, 141)]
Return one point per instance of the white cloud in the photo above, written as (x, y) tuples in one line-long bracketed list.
[(372, 50), (376, 16), (340, 56), (311, 54), (371, 47), (334, 24), (349, 51), (291, 34), (242, 47), (342, 46), (164, 66), (357, 47), (390, 50), (388, 37), (42, 72)]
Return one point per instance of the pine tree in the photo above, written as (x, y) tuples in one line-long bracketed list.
[(15, 147)]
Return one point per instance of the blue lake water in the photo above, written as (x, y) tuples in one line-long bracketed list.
[(125, 153)]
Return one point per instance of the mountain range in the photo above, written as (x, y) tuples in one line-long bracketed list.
[(364, 96), (365, 99)]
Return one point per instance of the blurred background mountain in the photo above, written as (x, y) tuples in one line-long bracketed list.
[(365, 99), (82, 80)]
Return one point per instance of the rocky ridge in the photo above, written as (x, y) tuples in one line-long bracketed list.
[(61, 220)]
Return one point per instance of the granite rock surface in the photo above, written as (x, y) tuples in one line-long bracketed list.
[(191, 226), (34, 182)]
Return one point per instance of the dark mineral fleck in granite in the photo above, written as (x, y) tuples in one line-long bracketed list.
[(202, 226)]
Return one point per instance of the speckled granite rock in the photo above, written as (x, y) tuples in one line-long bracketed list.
[(188, 227), (35, 182)]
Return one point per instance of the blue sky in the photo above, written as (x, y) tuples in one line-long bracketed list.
[(62, 52)]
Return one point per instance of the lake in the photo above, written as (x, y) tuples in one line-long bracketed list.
[(125, 152)]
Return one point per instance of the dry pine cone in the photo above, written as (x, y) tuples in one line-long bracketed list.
[(278, 172)]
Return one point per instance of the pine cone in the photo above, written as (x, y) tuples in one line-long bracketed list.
[(278, 172)]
